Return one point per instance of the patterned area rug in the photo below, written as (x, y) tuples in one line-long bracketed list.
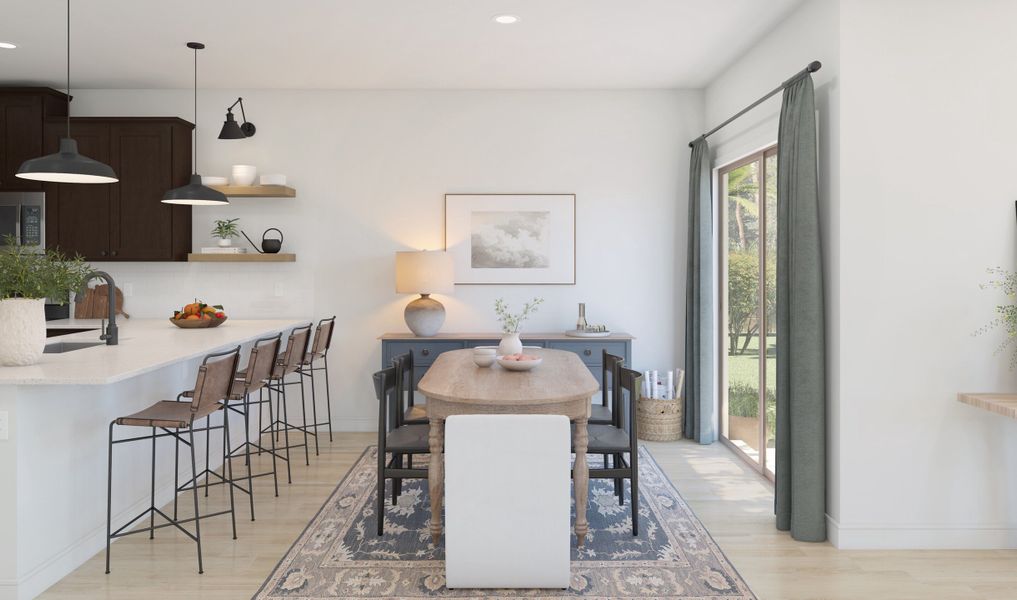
[(339, 554)]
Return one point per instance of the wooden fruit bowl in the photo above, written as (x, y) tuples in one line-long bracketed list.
[(198, 323)]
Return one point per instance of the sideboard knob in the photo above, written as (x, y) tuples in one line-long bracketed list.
[(588, 352), (425, 352)]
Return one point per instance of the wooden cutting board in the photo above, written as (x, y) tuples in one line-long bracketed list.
[(95, 303)]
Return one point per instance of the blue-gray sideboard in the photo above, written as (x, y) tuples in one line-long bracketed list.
[(426, 349)]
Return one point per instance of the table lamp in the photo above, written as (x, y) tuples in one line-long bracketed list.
[(424, 273)]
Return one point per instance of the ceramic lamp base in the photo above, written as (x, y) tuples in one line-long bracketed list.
[(424, 316)]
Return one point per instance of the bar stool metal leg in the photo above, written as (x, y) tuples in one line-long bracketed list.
[(328, 398), (247, 451), (151, 507), (208, 445), (194, 489), (314, 407), (176, 473), (304, 423), (109, 495), (227, 468), (281, 393), (271, 439)]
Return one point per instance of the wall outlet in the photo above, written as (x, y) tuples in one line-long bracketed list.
[(128, 290), (5, 425)]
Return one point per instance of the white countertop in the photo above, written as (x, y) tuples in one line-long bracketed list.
[(145, 345)]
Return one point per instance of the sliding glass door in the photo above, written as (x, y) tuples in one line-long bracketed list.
[(748, 200)]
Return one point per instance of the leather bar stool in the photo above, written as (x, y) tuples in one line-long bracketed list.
[(213, 386), (287, 363), (318, 352), (252, 379)]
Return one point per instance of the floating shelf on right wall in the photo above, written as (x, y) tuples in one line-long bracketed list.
[(256, 191), (249, 257)]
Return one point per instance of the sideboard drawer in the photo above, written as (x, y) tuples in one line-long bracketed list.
[(590, 351), (424, 353)]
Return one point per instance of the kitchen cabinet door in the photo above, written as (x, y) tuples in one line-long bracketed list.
[(77, 214), (142, 224), (20, 138)]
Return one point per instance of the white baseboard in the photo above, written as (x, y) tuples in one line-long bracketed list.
[(921, 536)]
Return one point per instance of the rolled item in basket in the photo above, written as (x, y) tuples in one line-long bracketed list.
[(654, 385), (669, 390), (646, 384), (678, 384)]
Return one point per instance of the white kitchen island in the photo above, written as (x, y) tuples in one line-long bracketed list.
[(53, 460)]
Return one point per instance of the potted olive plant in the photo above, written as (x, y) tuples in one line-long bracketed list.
[(27, 279), (225, 231)]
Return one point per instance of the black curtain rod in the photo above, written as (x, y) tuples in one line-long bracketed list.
[(811, 68)]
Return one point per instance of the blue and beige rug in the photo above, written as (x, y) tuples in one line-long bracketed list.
[(339, 554)]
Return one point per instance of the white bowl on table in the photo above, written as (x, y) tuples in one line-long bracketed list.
[(484, 356), (519, 365)]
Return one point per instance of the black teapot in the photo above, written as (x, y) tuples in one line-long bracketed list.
[(268, 245)]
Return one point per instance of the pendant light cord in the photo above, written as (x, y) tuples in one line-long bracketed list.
[(195, 140), (68, 68)]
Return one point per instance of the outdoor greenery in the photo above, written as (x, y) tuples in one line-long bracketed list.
[(226, 229), (510, 322), (1006, 314), (28, 274)]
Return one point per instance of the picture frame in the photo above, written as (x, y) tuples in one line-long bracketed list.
[(512, 239)]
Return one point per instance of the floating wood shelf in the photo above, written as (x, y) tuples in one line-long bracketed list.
[(256, 191), (249, 257)]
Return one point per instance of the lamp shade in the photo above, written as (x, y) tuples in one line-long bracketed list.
[(67, 166), (231, 129), (424, 272), (195, 194)]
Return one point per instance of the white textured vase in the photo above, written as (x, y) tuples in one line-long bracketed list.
[(510, 344), (22, 331)]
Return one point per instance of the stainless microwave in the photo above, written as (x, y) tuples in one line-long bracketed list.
[(23, 216)]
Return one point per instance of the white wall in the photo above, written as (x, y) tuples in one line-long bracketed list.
[(810, 33), (929, 141), (371, 170)]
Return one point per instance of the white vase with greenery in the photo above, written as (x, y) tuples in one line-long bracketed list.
[(27, 279), (510, 342), (225, 231)]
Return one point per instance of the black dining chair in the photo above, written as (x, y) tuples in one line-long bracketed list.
[(602, 414), (401, 440), (412, 414), (619, 441)]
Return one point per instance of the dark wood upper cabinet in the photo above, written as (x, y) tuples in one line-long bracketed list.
[(124, 221), (22, 114)]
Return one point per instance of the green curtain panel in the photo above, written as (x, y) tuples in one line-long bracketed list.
[(700, 353), (800, 490)]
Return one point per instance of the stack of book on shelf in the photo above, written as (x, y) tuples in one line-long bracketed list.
[(223, 250), (663, 385)]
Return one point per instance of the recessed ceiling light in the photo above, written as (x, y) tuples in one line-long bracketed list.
[(8, 45), (505, 19)]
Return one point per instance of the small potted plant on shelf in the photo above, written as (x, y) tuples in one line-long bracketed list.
[(225, 231), (510, 342), (27, 279)]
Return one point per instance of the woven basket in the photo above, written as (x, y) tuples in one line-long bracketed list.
[(659, 420)]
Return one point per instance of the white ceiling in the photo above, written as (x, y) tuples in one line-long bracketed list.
[(383, 44)]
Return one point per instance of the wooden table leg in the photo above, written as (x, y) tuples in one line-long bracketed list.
[(435, 477), (581, 480)]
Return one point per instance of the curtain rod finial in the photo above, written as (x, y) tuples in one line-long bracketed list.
[(814, 66)]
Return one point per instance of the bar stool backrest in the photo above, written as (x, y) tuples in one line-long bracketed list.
[(261, 362), (215, 380), (323, 336), (296, 347)]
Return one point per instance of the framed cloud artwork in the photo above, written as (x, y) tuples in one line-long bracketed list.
[(512, 238)]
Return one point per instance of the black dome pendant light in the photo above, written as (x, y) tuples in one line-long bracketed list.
[(194, 193), (67, 166)]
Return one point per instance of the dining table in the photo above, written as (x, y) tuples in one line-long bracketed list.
[(560, 385)]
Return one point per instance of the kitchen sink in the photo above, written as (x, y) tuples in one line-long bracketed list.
[(61, 347), (58, 332)]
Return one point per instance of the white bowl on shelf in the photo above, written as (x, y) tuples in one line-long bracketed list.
[(273, 179), (518, 365), (244, 174), (213, 180)]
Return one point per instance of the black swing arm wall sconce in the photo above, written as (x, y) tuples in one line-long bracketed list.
[(231, 130)]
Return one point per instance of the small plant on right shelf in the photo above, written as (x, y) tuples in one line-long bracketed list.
[(225, 231)]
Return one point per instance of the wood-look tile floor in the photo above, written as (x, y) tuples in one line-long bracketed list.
[(733, 502)]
